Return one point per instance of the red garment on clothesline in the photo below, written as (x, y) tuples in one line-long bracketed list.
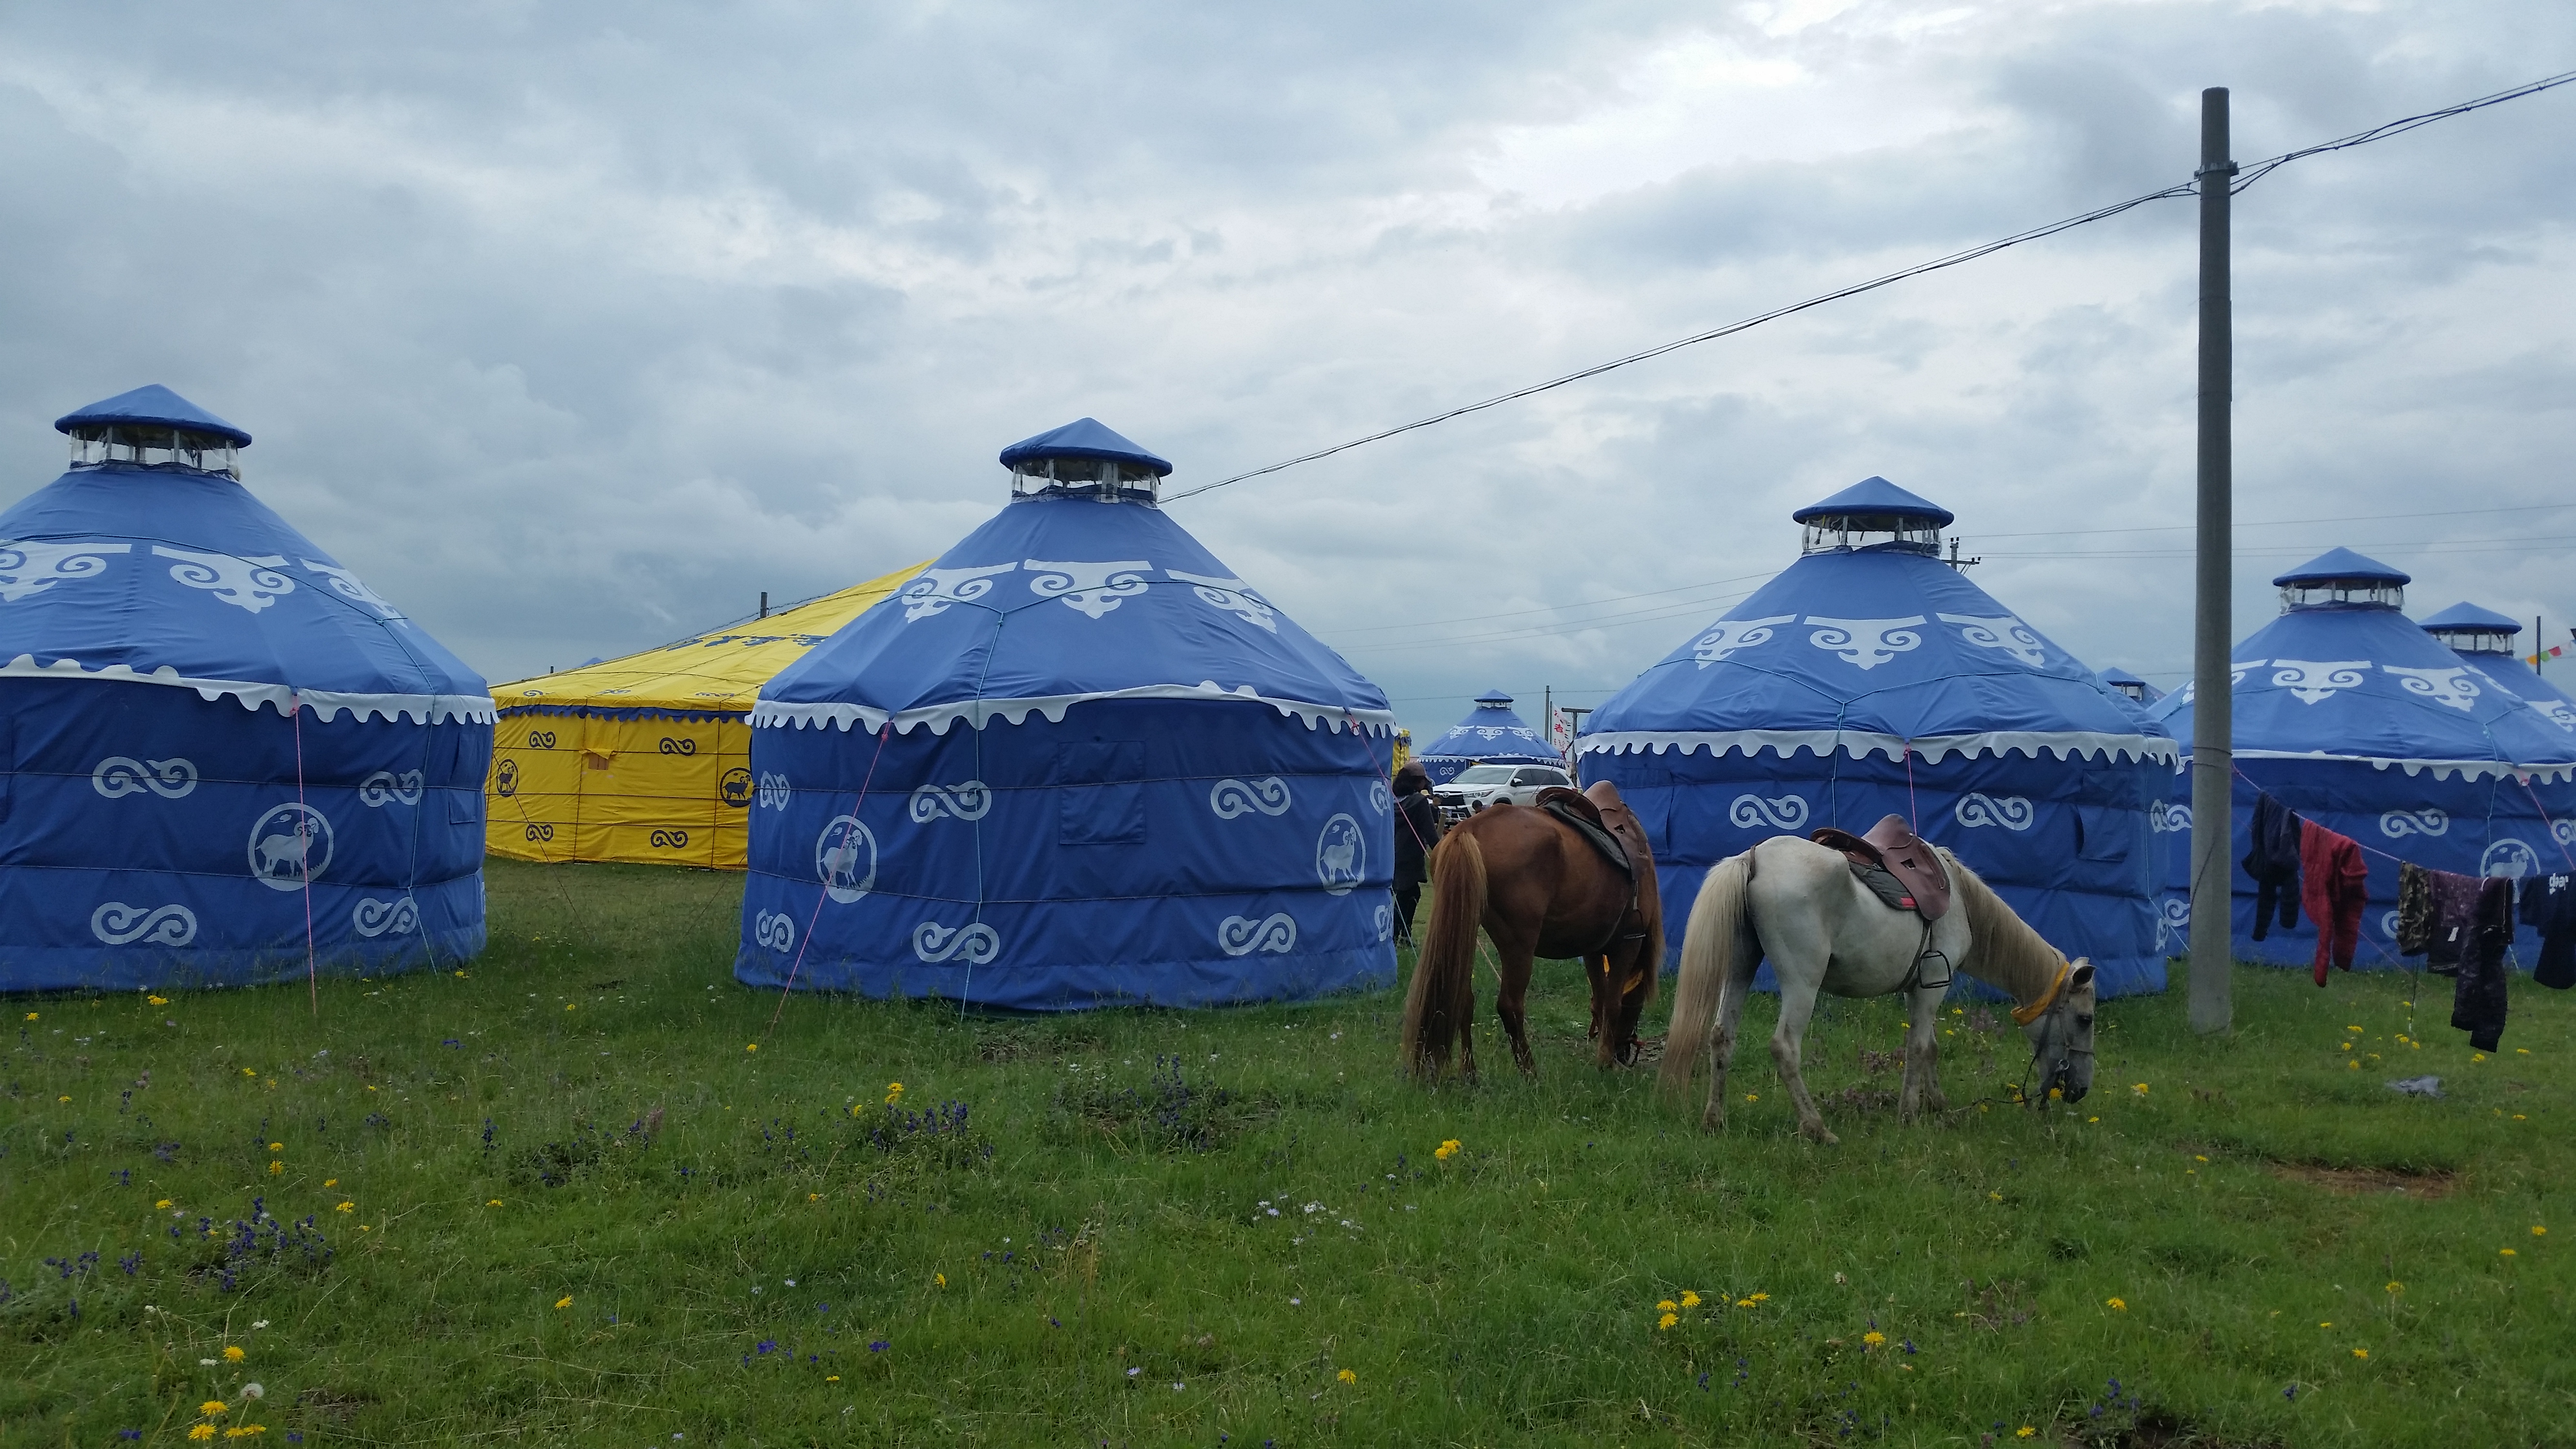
[(2334, 885)]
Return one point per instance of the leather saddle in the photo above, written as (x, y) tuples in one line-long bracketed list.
[(1918, 882), (1598, 815)]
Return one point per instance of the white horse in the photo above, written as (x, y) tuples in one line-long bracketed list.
[(1797, 903)]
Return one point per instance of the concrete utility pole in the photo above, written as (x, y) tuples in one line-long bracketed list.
[(2213, 754)]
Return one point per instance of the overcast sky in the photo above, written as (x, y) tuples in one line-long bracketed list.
[(574, 327)]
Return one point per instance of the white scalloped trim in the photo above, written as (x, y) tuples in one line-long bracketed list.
[(2442, 769), (325, 703), (2067, 744), (978, 713)]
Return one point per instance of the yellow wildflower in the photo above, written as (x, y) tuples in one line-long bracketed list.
[(751, 1046), (1690, 1300), (346, 1207), (250, 1071), (2361, 1353), (202, 1431), (564, 1302), (572, 1006), (212, 1407), (1666, 1306), (1873, 1338), (1761, 1297), (2117, 1304), (1348, 1377), (496, 1202), (939, 1279), (2507, 1252), (1753, 1096), (894, 1093), (2538, 1231), (2138, 1087), (233, 1353), (2396, 1287), (330, 1182), (275, 1168), (62, 1099), (158, 1000), (1743, 1302), (1446, 1150), (245, 1431), (165, 1202), (2024, 1432), (277, 1147), (831, 1378), (32, 1016), (1668, 1320)]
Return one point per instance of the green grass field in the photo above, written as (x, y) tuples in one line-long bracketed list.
[(558, 1198)]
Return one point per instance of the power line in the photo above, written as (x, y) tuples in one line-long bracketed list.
[(2247, 177), (1981, 534)]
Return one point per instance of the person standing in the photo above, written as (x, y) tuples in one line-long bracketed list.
[(1417, 829)]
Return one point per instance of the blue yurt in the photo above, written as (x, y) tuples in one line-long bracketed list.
[(1077, 762), (2484, 639), (227, 756), (2138, 690), (1869, 678), (1491, 734), (2361, 721)]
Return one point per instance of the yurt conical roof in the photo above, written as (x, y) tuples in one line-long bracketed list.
[(1492, 733), (2483, 639)]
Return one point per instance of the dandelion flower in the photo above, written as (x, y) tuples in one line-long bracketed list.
[(202, 1431), (2196, 1157), (2538, 1231), (572, 1006), (831, 1378), (346, 1207), (1666, 1306), (211, 1408), (32, 1016), (1873, 1338), (1690, 1300), (1743, 1302), (250, 1071), (2505, 1252), (496, 1202), (751, 1046), (233, 1353), (2024, 1432), (1668, 1320), (1446, 1150), (62, 1099), (939, 1280), (2361, 1353), (2326, 1325), (275, 1168), (894, 1093), (2138, 1087), (1348, 1377), (330, 1182), (564, 1302), (2120, 1305), (1761, 1297), (158, 1000), (165, 1202)]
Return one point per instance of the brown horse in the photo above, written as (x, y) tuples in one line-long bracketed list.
[(1539, 887)]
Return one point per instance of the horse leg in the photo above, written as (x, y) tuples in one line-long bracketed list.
[(1922, 1056), (1797, 1005), (1721, 1042), (1511, 996)]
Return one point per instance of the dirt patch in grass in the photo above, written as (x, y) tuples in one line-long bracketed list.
[(2357, 1181)]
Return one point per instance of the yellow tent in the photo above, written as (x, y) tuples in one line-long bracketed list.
[(647, 758)]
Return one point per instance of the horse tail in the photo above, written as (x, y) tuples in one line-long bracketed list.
[(1711, 946), (1443, 994)]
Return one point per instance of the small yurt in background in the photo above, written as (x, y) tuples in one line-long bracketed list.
[(2484, 639), (2138, 690), (1491, 734), (1077, 762), (648, 758), (1868, 679), (227, 756), (2358, 719)]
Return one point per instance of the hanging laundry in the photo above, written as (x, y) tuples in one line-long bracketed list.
[(2478, 994), (2334, 886), (2414, 908), (2272, 858), (2549, 907), (2451, 908)]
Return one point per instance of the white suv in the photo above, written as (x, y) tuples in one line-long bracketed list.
[(1478, 786)]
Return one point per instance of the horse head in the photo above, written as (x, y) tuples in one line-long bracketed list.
[(2061, 1038)]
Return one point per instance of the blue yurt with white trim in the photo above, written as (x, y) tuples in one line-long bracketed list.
[(2484, 640), (1493, 733), (2138, 690), (227, 757), (2362, 721), (1868, 679), (1078, 762)]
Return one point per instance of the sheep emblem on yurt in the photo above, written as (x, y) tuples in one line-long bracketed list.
[(230, 760), (1870, 678), (1078, 761)]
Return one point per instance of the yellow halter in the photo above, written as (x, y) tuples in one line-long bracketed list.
[(2025, 1015)]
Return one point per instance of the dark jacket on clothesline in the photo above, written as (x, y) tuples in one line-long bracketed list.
[(2272, 858), (2478, 996)]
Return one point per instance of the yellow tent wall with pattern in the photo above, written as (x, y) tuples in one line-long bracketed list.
[(648, 758)]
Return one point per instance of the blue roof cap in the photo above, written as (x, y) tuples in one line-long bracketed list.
[(1875, 495), (2465, 615), (2342, 564), (1494, 699), (1083, 438), (152, 403)]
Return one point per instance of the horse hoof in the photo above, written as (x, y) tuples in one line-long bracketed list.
[(1820, 1136)]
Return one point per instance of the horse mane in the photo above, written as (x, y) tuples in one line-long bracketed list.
[(2003, 950)]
